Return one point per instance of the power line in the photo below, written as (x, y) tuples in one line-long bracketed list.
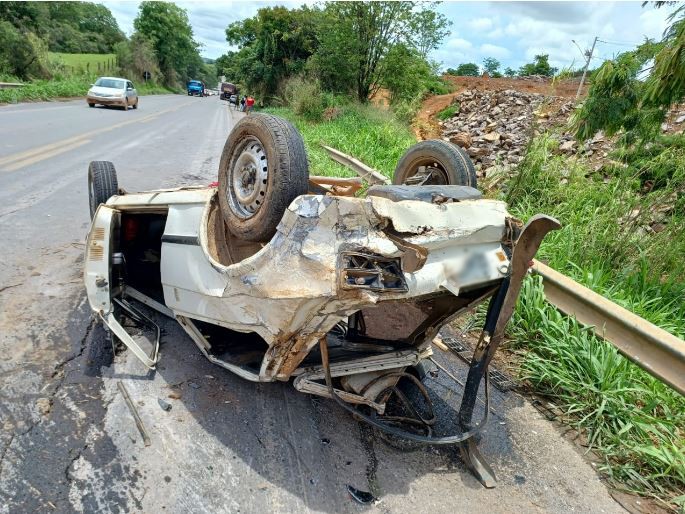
[(619, 43)]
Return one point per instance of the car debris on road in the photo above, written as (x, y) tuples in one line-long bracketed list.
[(278, 275)]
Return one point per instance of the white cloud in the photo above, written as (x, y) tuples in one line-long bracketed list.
[(481, 24), (459, 44), (496, 51)]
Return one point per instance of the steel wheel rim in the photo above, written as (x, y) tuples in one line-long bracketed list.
[(426, 173), (248, 178)]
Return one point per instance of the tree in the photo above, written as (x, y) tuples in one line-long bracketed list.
[(468, 69), (406, 72), (167, 28), (622, 99), (355, 38), (21, 54), (76, 27), (491, 66), (428, 29), (509, 72), (137, 56), (274, 44), (539, 66)]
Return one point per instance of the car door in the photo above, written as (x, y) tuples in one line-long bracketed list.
[(131, 92)]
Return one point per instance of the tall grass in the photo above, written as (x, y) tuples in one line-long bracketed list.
[(635, 422), (370, 134)]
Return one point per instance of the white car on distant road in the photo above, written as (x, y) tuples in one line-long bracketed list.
[(113, 91)]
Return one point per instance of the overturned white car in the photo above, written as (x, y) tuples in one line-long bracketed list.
[(277, 275)]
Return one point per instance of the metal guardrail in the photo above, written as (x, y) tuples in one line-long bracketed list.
[(655, 350), (6, 85), (372, 176), (658, 352)]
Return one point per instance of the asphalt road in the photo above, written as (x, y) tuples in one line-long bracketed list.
[(67, 440)]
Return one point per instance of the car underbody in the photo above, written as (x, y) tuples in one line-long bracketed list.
[(345, 298)]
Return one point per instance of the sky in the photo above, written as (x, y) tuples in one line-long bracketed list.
[(511, 32)]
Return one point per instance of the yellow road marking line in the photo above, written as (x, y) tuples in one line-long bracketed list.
[(46, 155), (15, 161)]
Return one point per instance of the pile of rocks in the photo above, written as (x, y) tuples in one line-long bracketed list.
[(494, 127)]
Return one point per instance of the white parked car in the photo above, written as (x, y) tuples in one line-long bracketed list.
[(276, 275), (112, 91)]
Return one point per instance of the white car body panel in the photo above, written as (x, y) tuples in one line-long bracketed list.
[(291, 292)]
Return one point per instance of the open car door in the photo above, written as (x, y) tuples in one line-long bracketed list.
[(100, 260)]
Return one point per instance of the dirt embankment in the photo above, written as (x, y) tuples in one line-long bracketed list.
[(426, 124)]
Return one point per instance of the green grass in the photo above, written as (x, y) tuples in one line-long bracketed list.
[(636, 423), (69, 87), (370, 134), (448, 112), (80, 63)]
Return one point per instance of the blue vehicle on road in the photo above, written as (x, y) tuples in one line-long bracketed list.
[(195, 87)]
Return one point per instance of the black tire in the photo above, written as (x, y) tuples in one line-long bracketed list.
[(447, 163), (135, 105), (102, 184), (253, 210), (91, 105)]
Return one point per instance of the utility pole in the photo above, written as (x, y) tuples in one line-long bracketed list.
[(587, 63)]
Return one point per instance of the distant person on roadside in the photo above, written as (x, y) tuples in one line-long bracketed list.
[(242, 103), (249, 103)]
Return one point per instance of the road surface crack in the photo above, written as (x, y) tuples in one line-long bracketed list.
[(4, 452)]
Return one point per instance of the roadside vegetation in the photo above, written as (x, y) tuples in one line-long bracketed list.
[(622, 237), (368, 133), (355, 50), (57, 49)]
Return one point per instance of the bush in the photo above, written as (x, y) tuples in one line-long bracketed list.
[(22, 54), (305, 98)]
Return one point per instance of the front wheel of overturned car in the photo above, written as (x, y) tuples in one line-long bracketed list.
[(102, 184), (263, 168), (436, 163)]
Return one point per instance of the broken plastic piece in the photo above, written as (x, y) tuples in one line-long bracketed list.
[(363, 497)]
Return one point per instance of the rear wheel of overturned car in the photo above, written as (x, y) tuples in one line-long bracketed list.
[(263, 168), (437, 163), (102, 184)]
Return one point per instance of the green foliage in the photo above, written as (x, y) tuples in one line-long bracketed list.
[(467, 69), (405, 73), (136, 56), (509, 72), (274, 45), (539, 66), (427, 30), (634, 421), (666, 84), (22, 54), (167, 28), (491, 67), (448, 112), (620, 99), (614, 100), (73, 27), (370, 134), (356, 40), (305, 98)]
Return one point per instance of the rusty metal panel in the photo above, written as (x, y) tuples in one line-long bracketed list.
[(653, 349)]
